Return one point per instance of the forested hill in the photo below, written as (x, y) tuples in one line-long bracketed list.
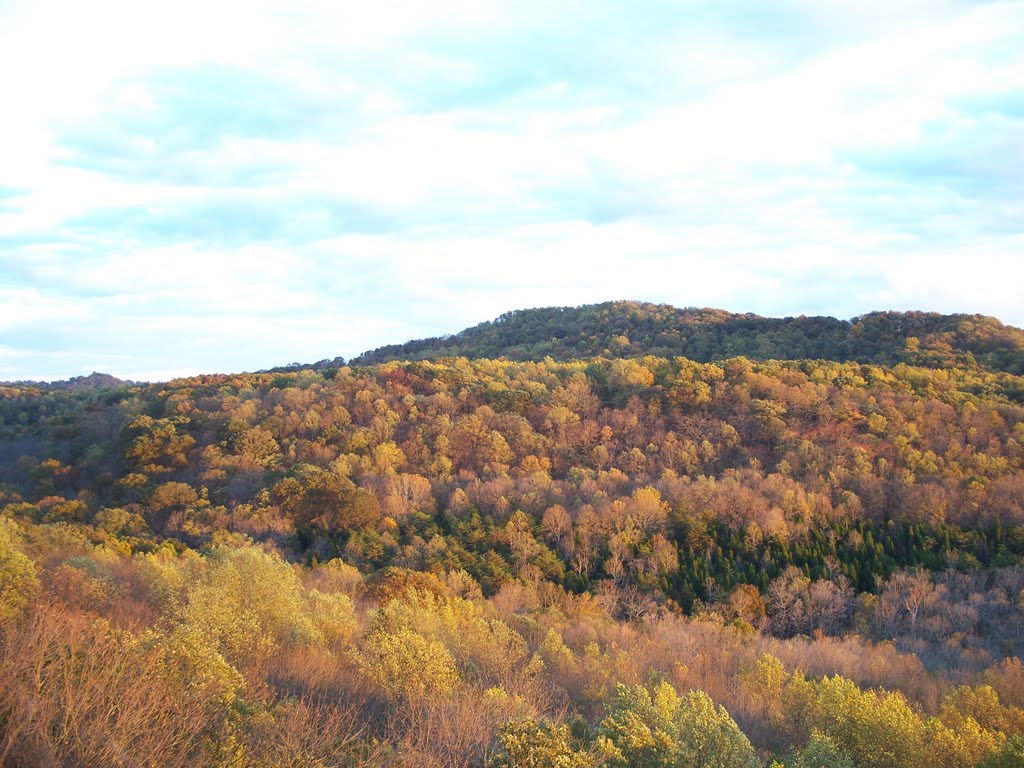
[(77, 383), (489, 564), (635, 329)]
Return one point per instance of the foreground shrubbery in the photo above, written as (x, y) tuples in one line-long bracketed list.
[(231, 656)]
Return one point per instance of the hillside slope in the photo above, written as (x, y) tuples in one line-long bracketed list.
[(634, 329), (430, 563)]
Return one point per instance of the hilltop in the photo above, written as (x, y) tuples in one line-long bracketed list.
[(94, 380), (635, 329)]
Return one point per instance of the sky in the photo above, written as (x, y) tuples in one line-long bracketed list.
[(221, 186)]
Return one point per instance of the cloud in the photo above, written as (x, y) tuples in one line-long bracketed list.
[(236, 185), (26, 307)]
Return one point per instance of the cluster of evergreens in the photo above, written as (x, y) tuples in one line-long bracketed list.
[(616, 560)]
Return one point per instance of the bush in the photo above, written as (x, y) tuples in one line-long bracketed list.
[(18, 581), (658, 729), (529, 744)]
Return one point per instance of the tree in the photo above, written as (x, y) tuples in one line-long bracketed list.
[(326, 502), (532, 744), (258, 447), (657, 729), (746, 604), (1011, 755), (822, 752), (157, 445), (17, 578), (878, 730), (647, 509), (248, 604), (408, 666)]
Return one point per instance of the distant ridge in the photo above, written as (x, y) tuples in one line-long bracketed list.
[(94, 380), (635, 329)]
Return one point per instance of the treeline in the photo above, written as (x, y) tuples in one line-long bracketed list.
[(635, 329)]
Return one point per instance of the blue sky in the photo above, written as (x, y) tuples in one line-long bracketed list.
[(221, 186)]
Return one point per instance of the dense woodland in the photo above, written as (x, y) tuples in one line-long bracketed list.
[(600, 556), (633, 329)]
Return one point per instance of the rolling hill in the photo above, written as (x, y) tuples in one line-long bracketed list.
[(484, 563), (636, 329)]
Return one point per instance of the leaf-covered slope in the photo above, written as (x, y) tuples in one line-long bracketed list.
[(634, 329)]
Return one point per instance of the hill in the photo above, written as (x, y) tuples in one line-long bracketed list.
[(635, 329), (489, 563), (94, 380)]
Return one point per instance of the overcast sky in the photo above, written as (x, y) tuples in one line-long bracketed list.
[(218, 186)]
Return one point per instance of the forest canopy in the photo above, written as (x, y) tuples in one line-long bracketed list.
[(621, 558), (635, 329)]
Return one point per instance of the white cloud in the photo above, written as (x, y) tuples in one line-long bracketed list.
[(26, 307), (450, 161)]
